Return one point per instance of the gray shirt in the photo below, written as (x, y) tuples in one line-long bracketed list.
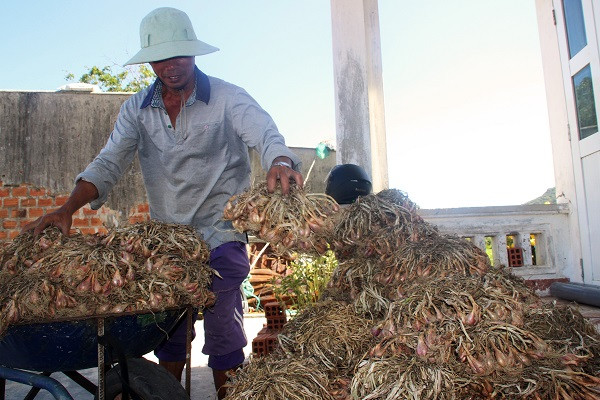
[(192, 170)]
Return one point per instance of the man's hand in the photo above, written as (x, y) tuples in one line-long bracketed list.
[(283, 174), (62, 218), (59, 218)]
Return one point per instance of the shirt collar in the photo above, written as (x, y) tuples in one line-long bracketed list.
[(202, 89)]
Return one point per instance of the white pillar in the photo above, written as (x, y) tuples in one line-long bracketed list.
[(360, 117), (525, 245), (479, 241), (499, 250)]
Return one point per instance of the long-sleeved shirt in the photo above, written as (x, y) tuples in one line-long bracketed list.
[(191, 170)]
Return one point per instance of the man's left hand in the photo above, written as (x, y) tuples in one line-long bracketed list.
[(282, 173)]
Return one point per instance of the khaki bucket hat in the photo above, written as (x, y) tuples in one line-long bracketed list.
[(166, 33)]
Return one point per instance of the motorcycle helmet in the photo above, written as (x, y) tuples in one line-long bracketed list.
[(346, 182)]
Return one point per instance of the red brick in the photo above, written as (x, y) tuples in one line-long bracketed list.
[(45, 202), (10, 202), (89, 211), (515, 257), (143, 208), (88, 231), (102, 230), (60, 200), (24, 221), (137, 218), (37, 192), (18, 213), (276, 323), (28, 202), (81, 222), (20, 191), (3, 235), (9, 224), (4, 192), (13, 234), (273, 309), (95, 221), (35, 212), (3, 213), (264, 343)]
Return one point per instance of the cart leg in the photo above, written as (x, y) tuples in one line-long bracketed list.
[(101, 386), (81, 381), (188, 351)]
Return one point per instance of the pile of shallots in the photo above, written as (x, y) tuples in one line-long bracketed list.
[(410, 313), (148, 266)]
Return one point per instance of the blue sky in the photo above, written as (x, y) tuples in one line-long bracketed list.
[(466, 116)]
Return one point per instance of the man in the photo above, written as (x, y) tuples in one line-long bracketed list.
[(191, 133)]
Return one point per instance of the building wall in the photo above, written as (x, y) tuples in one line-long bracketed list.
[(562, 155), (47, 138)]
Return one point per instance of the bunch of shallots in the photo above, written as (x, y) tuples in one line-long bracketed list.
[(298, 221)]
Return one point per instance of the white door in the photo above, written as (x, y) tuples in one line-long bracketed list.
[(577, 24)]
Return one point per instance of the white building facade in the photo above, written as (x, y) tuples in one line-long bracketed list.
[(569, 36)]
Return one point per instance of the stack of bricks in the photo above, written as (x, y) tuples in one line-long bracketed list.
[(21, 204), (266, 339)]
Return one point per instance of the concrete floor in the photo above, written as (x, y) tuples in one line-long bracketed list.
[(201, 384)]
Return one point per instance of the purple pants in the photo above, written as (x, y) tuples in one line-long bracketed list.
[(224, 335)]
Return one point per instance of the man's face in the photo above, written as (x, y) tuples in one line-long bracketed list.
[(175, 73)]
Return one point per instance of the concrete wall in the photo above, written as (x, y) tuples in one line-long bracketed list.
[(548, 223), (47, 138)]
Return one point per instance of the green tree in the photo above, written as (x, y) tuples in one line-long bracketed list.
[(132, 78)]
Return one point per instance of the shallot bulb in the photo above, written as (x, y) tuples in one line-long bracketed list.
[(117, 279)]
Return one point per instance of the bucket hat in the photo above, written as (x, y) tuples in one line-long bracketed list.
[(166, 33)]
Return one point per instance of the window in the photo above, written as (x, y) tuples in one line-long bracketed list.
[(575, 26), (584, 101)]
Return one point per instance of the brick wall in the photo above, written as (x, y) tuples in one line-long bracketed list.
[(21, 204)]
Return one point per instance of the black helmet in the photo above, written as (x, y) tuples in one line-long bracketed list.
[(346, 182)]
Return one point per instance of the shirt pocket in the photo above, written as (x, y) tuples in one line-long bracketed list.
[(205, 138)]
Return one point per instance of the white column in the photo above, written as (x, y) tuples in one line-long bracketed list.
[(360, 117), (479, 241), (525, 245), (499, 250)]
